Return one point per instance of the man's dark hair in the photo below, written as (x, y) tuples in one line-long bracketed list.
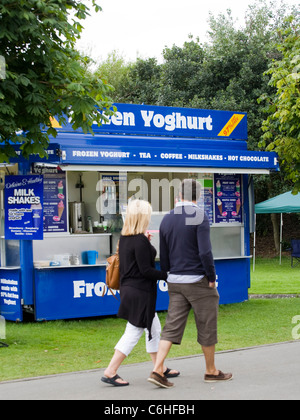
[(190, 190)]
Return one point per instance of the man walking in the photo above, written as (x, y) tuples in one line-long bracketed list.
[(185, 252)]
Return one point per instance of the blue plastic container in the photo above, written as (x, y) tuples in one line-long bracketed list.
[(92, 257), (84, 257)]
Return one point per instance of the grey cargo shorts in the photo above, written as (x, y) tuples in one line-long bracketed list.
[(204, 301)]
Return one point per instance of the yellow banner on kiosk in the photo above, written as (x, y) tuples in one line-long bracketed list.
[(231, 125), (55, 123)]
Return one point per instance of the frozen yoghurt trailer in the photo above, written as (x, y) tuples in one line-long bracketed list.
[(62, 216)]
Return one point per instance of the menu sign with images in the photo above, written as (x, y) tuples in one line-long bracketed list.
[(228, 205), (55, 213), (24, 207), (55, 198)]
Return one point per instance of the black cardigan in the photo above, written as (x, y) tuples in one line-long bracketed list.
[(138, 278)]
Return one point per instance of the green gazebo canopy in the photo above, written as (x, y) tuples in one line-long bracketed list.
[(283, 203)]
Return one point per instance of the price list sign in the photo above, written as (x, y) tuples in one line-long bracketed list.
[(55, 213), (228, 205)]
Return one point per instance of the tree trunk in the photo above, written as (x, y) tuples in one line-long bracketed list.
[(276, 232)]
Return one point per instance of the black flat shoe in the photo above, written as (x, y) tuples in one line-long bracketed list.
[(167, 374), (113, 381)]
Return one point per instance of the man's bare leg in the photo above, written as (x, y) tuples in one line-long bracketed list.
[(209, 354), (163, 350)]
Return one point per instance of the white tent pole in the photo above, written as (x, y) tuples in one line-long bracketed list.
[(281, 224), (254, 242)]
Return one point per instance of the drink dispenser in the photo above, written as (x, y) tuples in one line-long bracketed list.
[(77, 216)]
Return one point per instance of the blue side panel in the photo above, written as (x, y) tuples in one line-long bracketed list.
[(10, 295), (162, 301), (233, 279)]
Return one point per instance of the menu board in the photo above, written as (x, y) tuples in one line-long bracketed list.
[(55, 198), (55, 208), (228, 205), (23, 207)]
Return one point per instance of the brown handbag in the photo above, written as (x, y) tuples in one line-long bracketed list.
[(113, 272)]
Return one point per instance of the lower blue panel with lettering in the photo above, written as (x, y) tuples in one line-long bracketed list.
[(67, 292), (233, 279), (10, 295), (77, 292)]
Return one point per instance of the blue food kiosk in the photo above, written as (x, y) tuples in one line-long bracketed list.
[(61, 217)]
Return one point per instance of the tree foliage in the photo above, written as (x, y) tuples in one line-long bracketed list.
[(228, 72), (181, 73), (45, 75), (137, 82), (282, 127)]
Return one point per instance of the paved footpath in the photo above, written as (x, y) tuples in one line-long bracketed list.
[(270, 372)]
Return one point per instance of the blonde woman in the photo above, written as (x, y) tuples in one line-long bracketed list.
[(138, 289)]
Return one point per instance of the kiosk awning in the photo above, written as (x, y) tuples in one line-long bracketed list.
[(166, 154), (105, 168), (148, 154), (211, 155)]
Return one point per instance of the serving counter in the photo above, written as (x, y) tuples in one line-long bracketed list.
[(68, 245)]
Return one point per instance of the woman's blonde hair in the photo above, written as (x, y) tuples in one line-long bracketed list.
[(137, 217)]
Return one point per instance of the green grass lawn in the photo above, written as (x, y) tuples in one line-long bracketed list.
[(63, 346), (271, 278)]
